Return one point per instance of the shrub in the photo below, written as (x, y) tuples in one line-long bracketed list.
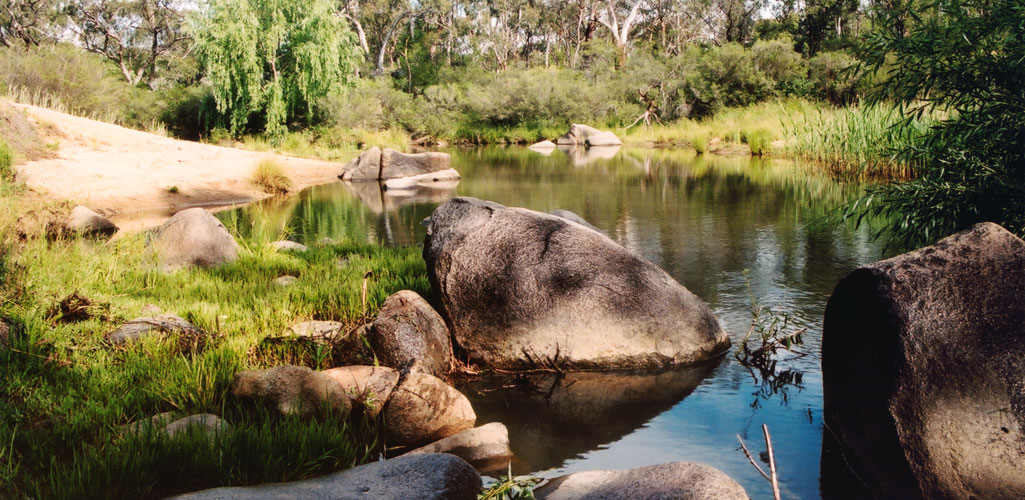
[(269, 175), (833, 79), (6, 163), (728, 77)]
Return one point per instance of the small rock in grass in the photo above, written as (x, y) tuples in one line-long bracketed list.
[(87, 222), (369, 386), (286, 281), (140, 328), (318, 331), (289, 246), (424, 409), (211, 425), (291, 389)]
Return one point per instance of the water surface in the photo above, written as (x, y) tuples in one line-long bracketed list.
[(731, 229)]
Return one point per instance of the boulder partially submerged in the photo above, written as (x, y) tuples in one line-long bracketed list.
[(423, 477), (923, 365), (672, 481), (482, 446), (378, 165), (423, 409), (583, 135), (522, 289)]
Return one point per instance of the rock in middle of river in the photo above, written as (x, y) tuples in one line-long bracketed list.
[(522, 289)]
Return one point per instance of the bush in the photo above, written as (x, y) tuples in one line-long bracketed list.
[(66, 78), (833, 78), (727, 76), (6, 163)]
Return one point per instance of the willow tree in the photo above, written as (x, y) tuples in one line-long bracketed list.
[(273, 58)]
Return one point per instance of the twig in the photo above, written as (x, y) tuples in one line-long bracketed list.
[(363, 297), (772, 462), (752, 460)]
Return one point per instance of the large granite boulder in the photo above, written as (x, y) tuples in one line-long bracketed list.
[(408, 332), (87, 222), (291, 389), (672, 481), (368, 386), (583, 135), (378, 165), (522, 289), (421, 477), (192, 237), (923, 361), (424, 409)]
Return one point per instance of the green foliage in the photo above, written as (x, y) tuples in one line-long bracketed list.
[(727, 76), (962, 58), (834, 79), (6, 162), (274, 58), (509, 487)]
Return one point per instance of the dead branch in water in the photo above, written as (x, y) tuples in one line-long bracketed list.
[(771, 476)]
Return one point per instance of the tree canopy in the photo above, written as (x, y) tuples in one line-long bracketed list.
[(273, 59)]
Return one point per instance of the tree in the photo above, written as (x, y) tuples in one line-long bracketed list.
[(134, 34), (25, 21), (962, 57), (275, 58)]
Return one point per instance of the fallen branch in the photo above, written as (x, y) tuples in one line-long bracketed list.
[(771, 476)]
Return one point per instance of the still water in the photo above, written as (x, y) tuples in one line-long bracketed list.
[(733, 230)]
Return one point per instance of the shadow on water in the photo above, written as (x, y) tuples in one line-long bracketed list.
[(727, 228), (554, 417)]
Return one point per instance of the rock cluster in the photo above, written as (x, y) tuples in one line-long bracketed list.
[(923, 363)]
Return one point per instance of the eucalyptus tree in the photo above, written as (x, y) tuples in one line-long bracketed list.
[(137, 35), (26, 22), (273, 58)]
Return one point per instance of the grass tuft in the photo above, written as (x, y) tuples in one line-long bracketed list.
[(271, 177)]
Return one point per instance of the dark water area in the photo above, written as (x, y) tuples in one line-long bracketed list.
[(733, 230)]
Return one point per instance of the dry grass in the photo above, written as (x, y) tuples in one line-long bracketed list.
[(269, 175)]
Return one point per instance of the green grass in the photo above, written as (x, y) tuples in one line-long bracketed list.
[(271, 177), (855, 142), (64, 391)]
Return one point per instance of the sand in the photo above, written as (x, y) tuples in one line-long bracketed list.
[(128, 175)]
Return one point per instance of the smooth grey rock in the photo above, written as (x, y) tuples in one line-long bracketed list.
[(318, 331), (671, 481), (480, 445), (419, 477), (87, 222), (603, 138), (210, 423), (192, 238), (285, 280), (570, 216), (395, 165), (291, 389), (146, 326), (378, 165), (521, 289), (367, 167), (408, 332), (368, 386), (423, 409), (543, 147), (923, 365), (576, 135), (156, 422), (289, 246)]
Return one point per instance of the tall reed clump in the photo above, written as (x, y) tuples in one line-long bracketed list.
[(856, 142), (271, 177)]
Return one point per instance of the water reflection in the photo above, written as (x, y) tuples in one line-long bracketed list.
[(555, 417), (581, 156), (727, 228), (379, 199)]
